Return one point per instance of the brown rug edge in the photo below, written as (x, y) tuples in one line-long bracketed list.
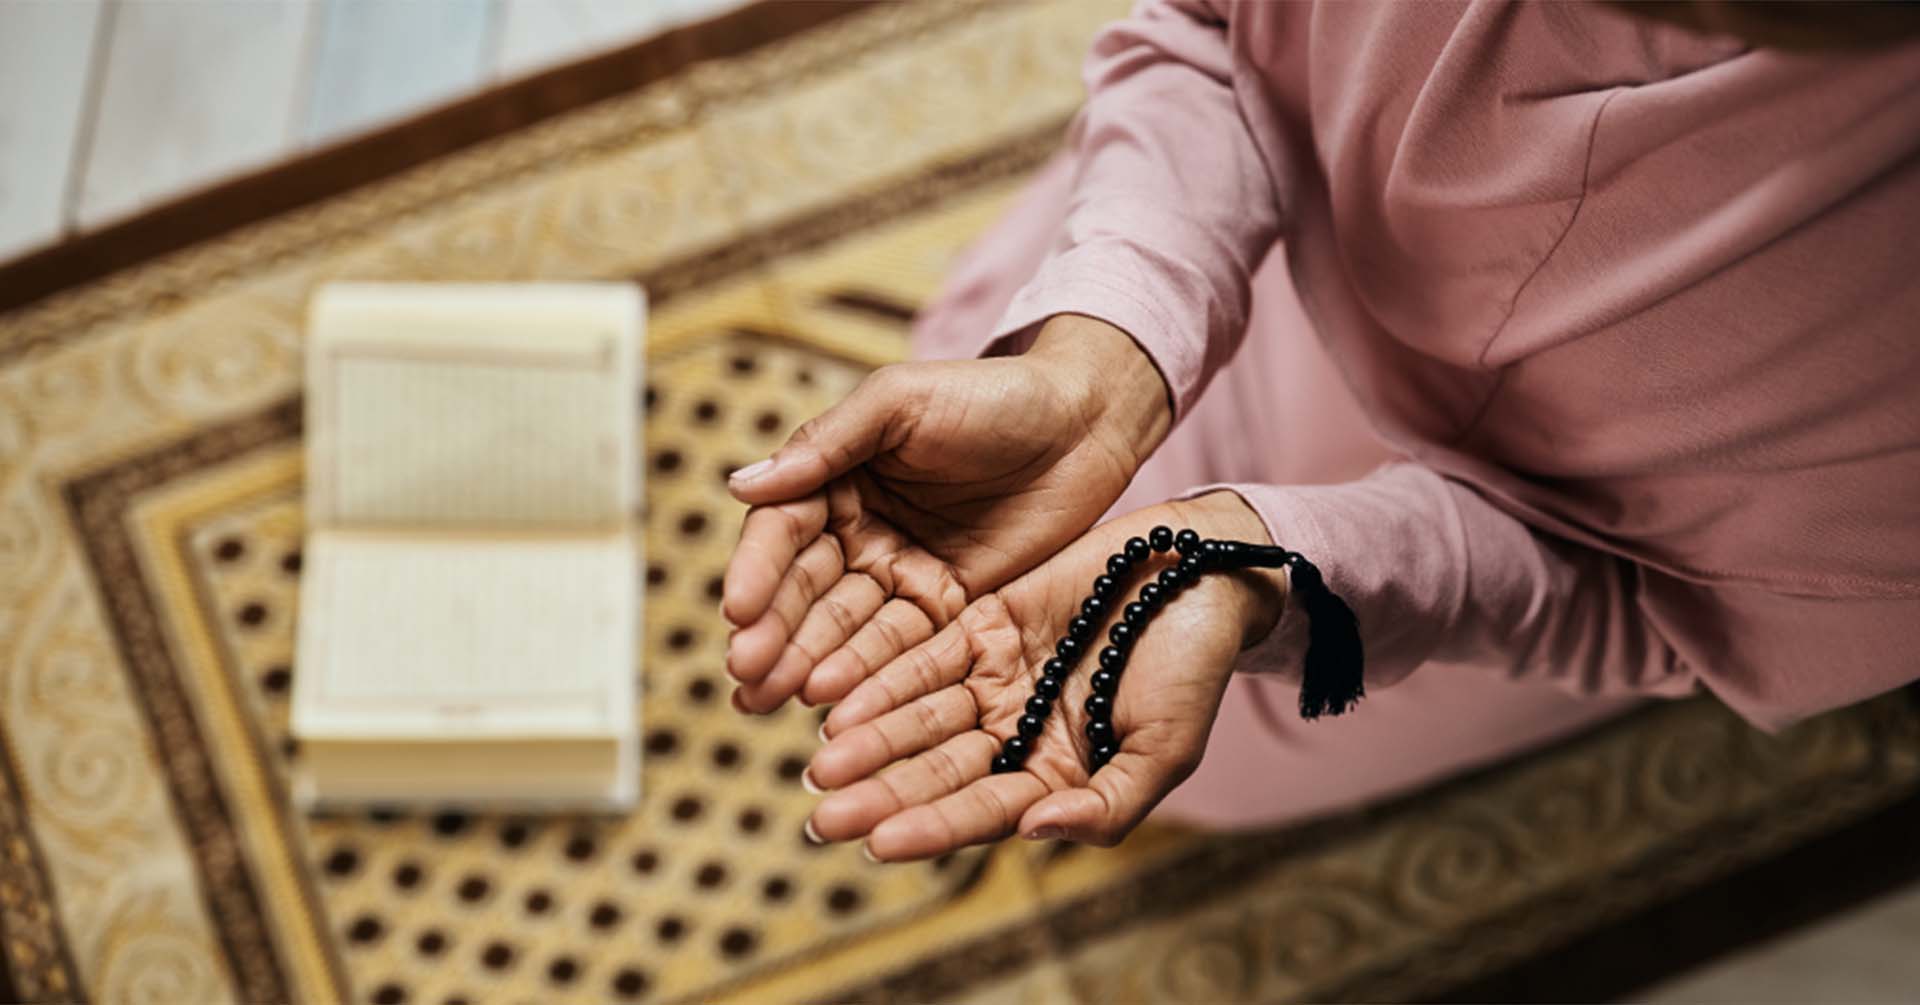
[(36, 960), (1813, 881), (331, 170), (1814, 877)]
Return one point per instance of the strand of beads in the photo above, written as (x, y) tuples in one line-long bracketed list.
[(1197, 557), (1112, 659)]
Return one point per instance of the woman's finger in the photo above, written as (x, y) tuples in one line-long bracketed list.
[(942, 659), (752, 650), (841, 611), (769, 539), (853, 811), (986, 809), (916, 726), (898, 626)]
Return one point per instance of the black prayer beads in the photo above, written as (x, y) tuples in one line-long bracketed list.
[(1331, 683)]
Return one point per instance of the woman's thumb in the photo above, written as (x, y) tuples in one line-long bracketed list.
[(828, 445)]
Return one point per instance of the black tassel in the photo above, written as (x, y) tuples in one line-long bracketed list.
[(1332, 682)]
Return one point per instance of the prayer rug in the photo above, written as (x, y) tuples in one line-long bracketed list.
[(788, 183)]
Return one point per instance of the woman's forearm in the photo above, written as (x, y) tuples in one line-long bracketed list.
[(1172, 209), (1437, 574)]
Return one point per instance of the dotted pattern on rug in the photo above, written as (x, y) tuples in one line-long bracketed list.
[(709, 878)]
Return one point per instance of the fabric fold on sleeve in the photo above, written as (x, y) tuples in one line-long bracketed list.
[(1172, 207)]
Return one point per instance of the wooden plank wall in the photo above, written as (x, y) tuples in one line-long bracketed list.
[(108, 106)]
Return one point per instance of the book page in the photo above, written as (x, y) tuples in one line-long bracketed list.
[(444, 405), (438, 635), (452, 442)]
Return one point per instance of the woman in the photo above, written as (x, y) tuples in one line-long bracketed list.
[(1577, 350)]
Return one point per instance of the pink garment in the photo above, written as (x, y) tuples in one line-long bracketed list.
[(1263, 766), (1637, 307)]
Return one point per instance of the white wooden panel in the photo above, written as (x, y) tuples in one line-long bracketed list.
[(379, 60), (535, 34), (46, 48), (193, 90), (1865, 955), (700, 10)]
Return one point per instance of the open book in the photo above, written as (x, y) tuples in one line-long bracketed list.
[(469, 605)]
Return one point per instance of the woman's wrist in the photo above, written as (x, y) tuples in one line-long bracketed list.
[(1110, 378), (1256, 597)]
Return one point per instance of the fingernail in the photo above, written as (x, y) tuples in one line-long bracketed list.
[(813, 836), (823, 733), (750, 472), (726, 658), (1046, 834), (807, 782), (870, 856), (740, 705)]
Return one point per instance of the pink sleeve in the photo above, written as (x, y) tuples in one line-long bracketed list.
[(1436, 575), (1171, 209)]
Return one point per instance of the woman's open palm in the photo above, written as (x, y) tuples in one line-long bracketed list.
[(911, 745)]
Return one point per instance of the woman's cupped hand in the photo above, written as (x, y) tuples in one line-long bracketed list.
[(928, 486)]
